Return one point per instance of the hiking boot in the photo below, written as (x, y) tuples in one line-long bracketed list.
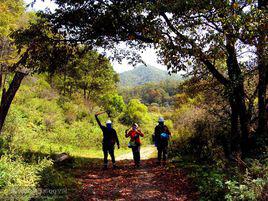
[(137, 165), (115, 166), (105, 167)]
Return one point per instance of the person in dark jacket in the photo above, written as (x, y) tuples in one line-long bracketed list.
[(109, 139), (135, 142), (161, 138)]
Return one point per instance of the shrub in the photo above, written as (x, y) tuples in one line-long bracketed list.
[(113, 104), (135, 112), (19, 180), (251, 184)]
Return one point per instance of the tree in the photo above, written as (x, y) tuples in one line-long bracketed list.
[(135, 112), (11, 15), (263, 74), (89, 72), (37, 49), (113, 104), (188, 34)]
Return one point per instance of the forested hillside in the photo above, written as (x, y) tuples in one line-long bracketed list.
[(145, 74)]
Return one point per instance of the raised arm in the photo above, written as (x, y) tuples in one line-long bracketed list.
[(97, 119), (140, 133)]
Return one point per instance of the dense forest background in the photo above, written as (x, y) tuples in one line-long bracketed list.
[(53, 82)]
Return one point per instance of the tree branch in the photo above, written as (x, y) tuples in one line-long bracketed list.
[(197, 52)]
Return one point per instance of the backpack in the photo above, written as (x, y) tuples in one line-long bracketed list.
[(164, 136)]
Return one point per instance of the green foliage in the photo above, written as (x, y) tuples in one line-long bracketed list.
[(210, 183), (215, 182), (42, 120), (19, 180), (113, 104), (10, 14), (250, 189), (161, 93), (87, 72), (135, 112), (251, 185), (202, 140)]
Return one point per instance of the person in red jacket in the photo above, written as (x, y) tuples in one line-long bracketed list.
[(135, 142)]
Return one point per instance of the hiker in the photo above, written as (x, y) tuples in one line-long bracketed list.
[(161, 138), (108, 142), (135, 142)]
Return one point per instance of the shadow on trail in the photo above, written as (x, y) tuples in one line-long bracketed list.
[(149, 182), (84, 179)]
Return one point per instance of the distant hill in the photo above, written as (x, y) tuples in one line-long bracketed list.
[(145, 74)]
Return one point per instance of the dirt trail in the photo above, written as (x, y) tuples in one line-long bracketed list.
[(149, 182), (146, 153)]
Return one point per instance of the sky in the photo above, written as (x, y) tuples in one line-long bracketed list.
[(148, 56)]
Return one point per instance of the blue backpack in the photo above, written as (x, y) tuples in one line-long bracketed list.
[(164, 136)]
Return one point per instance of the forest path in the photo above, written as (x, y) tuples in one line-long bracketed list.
[(149, 182), (146, 153)]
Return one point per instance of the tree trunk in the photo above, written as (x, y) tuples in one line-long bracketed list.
[(244, 121), (235, 134), (238, 92), (8, 96), (262, 120), (263, 73)]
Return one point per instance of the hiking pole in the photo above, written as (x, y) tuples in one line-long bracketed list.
[(99, 113)]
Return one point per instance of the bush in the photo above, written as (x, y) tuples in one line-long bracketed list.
[(135, 112), (250, 185), (200, 134), (113, 104), (19, 180)]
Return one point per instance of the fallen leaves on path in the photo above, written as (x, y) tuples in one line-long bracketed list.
[(149, 182)]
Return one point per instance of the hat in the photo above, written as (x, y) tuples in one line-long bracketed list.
[(135, 124), (108, 121), (161, 119)]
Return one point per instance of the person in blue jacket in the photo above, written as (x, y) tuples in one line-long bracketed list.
[(161, 139), (109, 139)]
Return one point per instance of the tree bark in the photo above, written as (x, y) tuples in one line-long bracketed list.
[(244, 121), (238, 92), (262, 119), (8, 96), (235, 134), (263, 76)]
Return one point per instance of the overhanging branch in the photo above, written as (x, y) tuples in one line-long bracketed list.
[(197, 53)]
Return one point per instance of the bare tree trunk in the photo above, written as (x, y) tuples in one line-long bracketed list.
[(8, 96)]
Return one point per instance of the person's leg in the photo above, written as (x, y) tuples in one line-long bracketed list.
[(135, 156), (159, 149), (165, 153), (111, 152), (105, 157), (138, 156)]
